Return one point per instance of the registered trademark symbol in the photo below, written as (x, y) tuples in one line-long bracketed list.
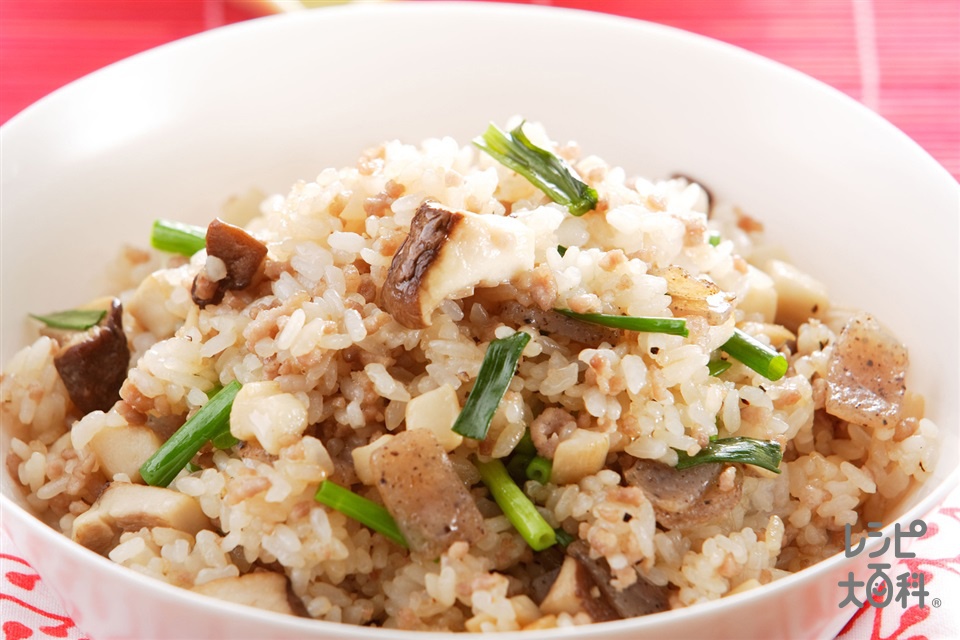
[(936, 602)]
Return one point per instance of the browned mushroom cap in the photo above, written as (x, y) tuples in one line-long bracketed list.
[(639, 599), (551, 322), (424, 494), (866, 378), (684, 498), (695, 296), (449, 252), (94, 365), (242, 254)]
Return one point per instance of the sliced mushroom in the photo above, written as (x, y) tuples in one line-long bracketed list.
[(799, 295), (261, 589), (241, 255), (551, 322), (581, 454), (124, 449), (424, 494), (447, 254), (572, 592), (684, 498), (131, 507), (94, 364), (695, 296), (639, 599), (867, 373)]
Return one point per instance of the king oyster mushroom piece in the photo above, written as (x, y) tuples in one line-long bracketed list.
[(93, 364), (692, 296), (447, 254), (867, 373), (131, 507), (584, 584), (424, 494), (688, 497), (262, 589)]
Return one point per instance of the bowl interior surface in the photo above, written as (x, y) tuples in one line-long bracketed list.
[(176, 131)]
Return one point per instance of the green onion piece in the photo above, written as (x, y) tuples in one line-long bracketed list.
[(545, 170), (562, 250), (74, 320), (563, 538), (539, 469), (718, 366), (192, 468), (496, 371), (210, 422), (525, 446), (672, 326), (714, 239), (521, 513), (760, 453), (366, 512), (756, 355), (224, 440), (177, 237)]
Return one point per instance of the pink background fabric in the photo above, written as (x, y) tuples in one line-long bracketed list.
[(901, 58)]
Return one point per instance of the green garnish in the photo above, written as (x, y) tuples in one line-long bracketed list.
[(539, 469), (224, 440), (756, 355), (209, 423), (562, 250), (518, 508), (759, 453), (545, 170), (714, 239), (74, 320), (496, 371), (563, 538), (366, 512), (178, 237), (672, 326), (718, 366)]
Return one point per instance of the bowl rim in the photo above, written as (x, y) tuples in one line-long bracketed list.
[(210, 39)]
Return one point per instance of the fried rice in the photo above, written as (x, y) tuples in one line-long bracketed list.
[(332, 373)]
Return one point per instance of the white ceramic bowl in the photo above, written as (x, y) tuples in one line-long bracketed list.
[(176, 130)]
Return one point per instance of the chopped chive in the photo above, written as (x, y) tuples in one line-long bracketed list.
[(539, 469), (562, 250), (224, 440), (759, 453), (192, 468), (366, 512), (210, 422), (672, 326), (756, 355), (545, 170), (714, 239), (718, 366), (518, 508), (496, 371), (178, 237), (525, 445), (73, 320), (563, 538)]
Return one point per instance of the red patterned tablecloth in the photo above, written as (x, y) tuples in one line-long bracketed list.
[(901, 58)]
